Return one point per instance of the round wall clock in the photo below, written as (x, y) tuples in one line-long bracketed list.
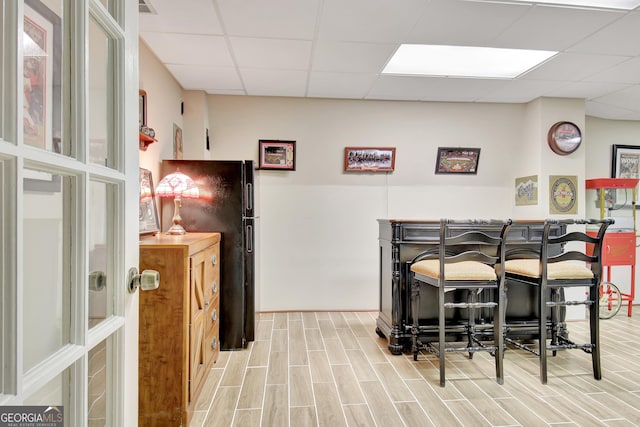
[(564, 138)]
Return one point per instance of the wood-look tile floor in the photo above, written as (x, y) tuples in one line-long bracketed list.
[(332, 369)]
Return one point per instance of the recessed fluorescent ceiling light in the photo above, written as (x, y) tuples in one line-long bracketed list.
[(606, 4), (464, 61)]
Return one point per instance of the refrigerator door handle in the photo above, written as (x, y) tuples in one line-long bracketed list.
[(249, 188), (249, 239)]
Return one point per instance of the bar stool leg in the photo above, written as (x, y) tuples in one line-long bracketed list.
[(594, 327), (415, 307), (498, 334), (471, 321), (441, 331), (542, 326)]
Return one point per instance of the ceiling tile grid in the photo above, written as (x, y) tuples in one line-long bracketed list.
[(338, 49)]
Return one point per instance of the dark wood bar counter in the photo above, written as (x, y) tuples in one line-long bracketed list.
[(401, 240)]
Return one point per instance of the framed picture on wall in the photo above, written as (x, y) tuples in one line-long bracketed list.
[(369, 159), (456, 160), (177, 142), (277, 155), (149, 224), (625, 161)]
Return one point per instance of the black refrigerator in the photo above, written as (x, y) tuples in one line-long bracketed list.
[(226, 205)]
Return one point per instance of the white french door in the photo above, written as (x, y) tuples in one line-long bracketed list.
[(68, 203)]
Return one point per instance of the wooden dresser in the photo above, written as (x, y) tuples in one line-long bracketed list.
[(179, 325)]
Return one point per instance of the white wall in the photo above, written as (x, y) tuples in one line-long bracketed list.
[(318, 230), (600, 135), (164, 96), (317, 239)]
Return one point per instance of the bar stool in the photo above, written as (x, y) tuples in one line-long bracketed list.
[(576, 265), (465, 260)]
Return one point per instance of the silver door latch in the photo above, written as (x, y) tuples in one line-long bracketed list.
[(147, 280)]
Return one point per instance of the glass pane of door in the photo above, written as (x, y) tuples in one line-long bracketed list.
[(42, 75), (101, 93), (53, 393), (101, 206), (47, 260), (98, 377)]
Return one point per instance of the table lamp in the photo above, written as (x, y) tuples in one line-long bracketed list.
[(177, 185)]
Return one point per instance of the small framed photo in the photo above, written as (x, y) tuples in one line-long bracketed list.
[(369, 159), (456, 160), (142, 108), (177, 142), (277, 155), (149, 224), (625, 161)]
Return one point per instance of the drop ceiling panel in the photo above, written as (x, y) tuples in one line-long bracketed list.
[(274, 82), (452, 22), (293, 19), (380, 21), (189, 49), (351, 57), (207, 78), (571, 66), (622, 37), (586, 90), (521, 90), (184, 16), (625, 98), (554, 28), (433, 88), (625, 72), (607, 111), (340, 85), (272, 53)]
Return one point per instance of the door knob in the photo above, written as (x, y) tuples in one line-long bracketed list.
[(97, 280), (147, 280)]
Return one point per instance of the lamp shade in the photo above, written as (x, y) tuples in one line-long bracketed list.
[(177, 184)]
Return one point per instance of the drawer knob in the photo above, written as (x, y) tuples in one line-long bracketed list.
[(214, 343), (214, 259), (214, 286), (214, 315)]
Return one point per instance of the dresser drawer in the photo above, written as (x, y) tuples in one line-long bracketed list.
[(212, 342), (211, 285)]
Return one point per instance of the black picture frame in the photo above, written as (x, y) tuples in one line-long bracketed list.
[(277, 155), (625, 161), (457, 161), (142, 108), (148, 215)]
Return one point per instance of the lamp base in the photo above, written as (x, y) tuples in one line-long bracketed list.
[(176, 229)]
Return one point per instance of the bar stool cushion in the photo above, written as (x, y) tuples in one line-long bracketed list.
[(556, 270), (464, 270)]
